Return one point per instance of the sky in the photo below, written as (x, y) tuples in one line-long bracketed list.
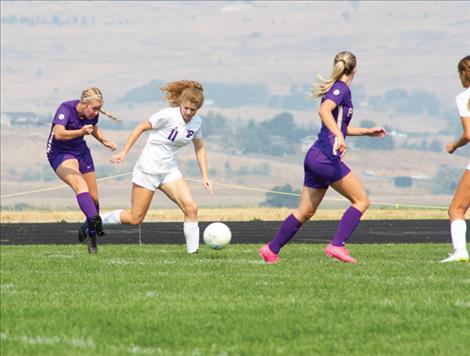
[(51, 50)]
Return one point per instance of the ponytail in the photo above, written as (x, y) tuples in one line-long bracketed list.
[(344, 64)]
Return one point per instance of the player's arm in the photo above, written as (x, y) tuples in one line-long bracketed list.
[(62, 134), (462, 140), (98, 134), (201, 157), (134, 136), (366, 131), (326, 115)]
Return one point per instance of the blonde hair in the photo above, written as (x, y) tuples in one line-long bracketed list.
[(94, 93), (464, 73), (183, 91), (344, 64)]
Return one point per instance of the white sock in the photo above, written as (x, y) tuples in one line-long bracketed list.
[(113, 217), (191, 235), (458, 230)]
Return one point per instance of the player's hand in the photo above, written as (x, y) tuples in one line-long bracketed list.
[(118, 158), (87, 129), (450, 148), (208, 185), (377, 132), (111, 145), (340, 145)]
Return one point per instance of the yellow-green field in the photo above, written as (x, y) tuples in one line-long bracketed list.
[(225, 214)]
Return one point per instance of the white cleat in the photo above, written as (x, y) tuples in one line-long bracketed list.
[(457, 256)]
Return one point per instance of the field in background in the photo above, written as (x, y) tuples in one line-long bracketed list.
[(155, 299), (225, 214)]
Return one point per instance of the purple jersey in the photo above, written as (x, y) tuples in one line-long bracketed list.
[(68, 117), (341, 95)]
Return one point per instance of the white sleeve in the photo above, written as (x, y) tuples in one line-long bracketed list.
[(158, 120), (462, 104), (198, 133)]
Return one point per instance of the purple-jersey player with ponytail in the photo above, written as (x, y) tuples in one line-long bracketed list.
[(70, 157), (323, 165)]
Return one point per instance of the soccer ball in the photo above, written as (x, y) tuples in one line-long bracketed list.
[(217, 235)]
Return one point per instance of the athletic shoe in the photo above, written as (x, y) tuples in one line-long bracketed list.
[(82, 232), (339, 253), (97, 224), (92, 245), (268, 255), (457, 256)]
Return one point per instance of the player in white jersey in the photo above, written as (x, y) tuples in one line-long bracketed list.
[(171, 129), (461, 201)]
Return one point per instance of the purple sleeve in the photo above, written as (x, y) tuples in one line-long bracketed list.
[(62, 115), (336, 93)]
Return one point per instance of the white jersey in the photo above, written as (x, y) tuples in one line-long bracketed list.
[(462, 105), (169, 134)]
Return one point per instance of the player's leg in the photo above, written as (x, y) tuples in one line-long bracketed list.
[(143, 189), (69, 172), (141, 199), (178, 191), (458, 227), (90, 179), (310, 199), (351, 188)]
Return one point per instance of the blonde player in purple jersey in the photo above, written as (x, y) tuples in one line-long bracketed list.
[(461, 201), (323, 165), (70, 157), (171, 129)]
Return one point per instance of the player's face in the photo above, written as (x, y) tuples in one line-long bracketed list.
[(188, 110), (92, 109)]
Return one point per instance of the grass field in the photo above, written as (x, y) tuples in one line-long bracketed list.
[(155, 299)]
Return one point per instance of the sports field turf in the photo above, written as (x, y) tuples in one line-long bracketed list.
[(155, 299)]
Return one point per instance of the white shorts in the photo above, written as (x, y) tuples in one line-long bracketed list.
[(468, 167), (153, 181)]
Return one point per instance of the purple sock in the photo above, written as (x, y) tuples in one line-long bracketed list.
[(288, 229), (88, 208), (347, 225)]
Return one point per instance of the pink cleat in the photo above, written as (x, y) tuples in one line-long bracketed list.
[(339, 253), (268, 256)]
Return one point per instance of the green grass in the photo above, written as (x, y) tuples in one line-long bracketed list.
[(155, 299)]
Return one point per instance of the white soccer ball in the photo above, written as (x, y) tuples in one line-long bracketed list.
[(217, 235)]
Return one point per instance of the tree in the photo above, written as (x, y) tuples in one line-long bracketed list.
[(445, 180), (278, 200)]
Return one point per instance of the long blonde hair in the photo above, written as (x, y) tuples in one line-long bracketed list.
[(94, 93), (183, 91), (344, 63), (464, 73)]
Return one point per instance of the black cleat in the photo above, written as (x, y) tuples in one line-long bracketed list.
[(98, 225), (92, 245), (82, 232)]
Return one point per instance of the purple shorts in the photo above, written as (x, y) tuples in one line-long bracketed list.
[(321, 171), (85, 161)]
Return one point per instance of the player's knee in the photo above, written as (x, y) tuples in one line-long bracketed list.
[(456, 210), (136, 219), (362, 204), (304, 215), (190, 210)]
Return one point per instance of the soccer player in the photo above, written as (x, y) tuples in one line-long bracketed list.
[(323, 166), (461, 201), (70, 157), (171, 129)]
